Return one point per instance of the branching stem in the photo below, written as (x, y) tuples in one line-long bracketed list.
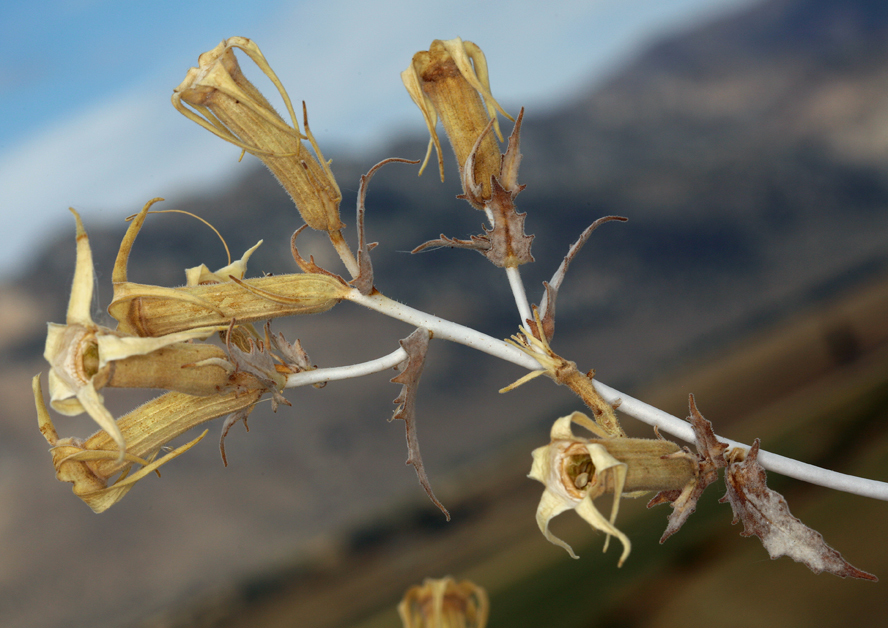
[(517, 286), (447, 330)]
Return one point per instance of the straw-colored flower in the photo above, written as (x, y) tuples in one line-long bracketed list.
[(450, 81), (444, 603), (213, 299), (223, 101), (79, 350), (575, 471)]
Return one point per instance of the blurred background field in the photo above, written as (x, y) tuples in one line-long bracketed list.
[(750, 154)]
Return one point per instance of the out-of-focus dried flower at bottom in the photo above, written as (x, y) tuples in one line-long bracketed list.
[(444, 603)]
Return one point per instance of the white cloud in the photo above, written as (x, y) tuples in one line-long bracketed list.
[(344, 58)]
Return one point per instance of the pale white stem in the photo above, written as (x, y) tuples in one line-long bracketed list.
[(447, 330), (444, 329), (344, 252), (319, 376), (514, 281), (770, 461), (517, 286)]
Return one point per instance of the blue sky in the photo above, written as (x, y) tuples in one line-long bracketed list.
[(85, 117)]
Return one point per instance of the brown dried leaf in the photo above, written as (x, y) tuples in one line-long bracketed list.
[(509, 245), (547, 305), (230, 420), (416, 345), (765, 514), (711, 458), (477, 243)]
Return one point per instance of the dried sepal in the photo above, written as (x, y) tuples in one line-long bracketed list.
[(444, 603), (230, 421), (547, 303), (532, 341), (765, 514), (416, 345)]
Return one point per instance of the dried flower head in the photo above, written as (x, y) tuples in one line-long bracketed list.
[(228, 105), (444, 603), (80, 351), (450, 80), (577, 470), (213, 299)]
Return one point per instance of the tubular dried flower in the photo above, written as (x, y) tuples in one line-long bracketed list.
[(80, 351), (450, 80), (91, 464), (228, 105), (213, 299), (577, 470)]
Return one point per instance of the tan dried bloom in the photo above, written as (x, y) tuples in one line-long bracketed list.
[(213, 299), (90, 464), (450, 80), (577, 470), (227, 104), (80, 351), (444, 603)]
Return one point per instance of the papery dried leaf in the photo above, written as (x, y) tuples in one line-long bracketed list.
[(230, 420), (308, 266), (765, 514), (710, 454), (477, 243), (416, 345), (364, 281), (293, 355), (509, 245), (547, 305)]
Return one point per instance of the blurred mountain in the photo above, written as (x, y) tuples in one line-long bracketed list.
[(751, 158), (750, 155)]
